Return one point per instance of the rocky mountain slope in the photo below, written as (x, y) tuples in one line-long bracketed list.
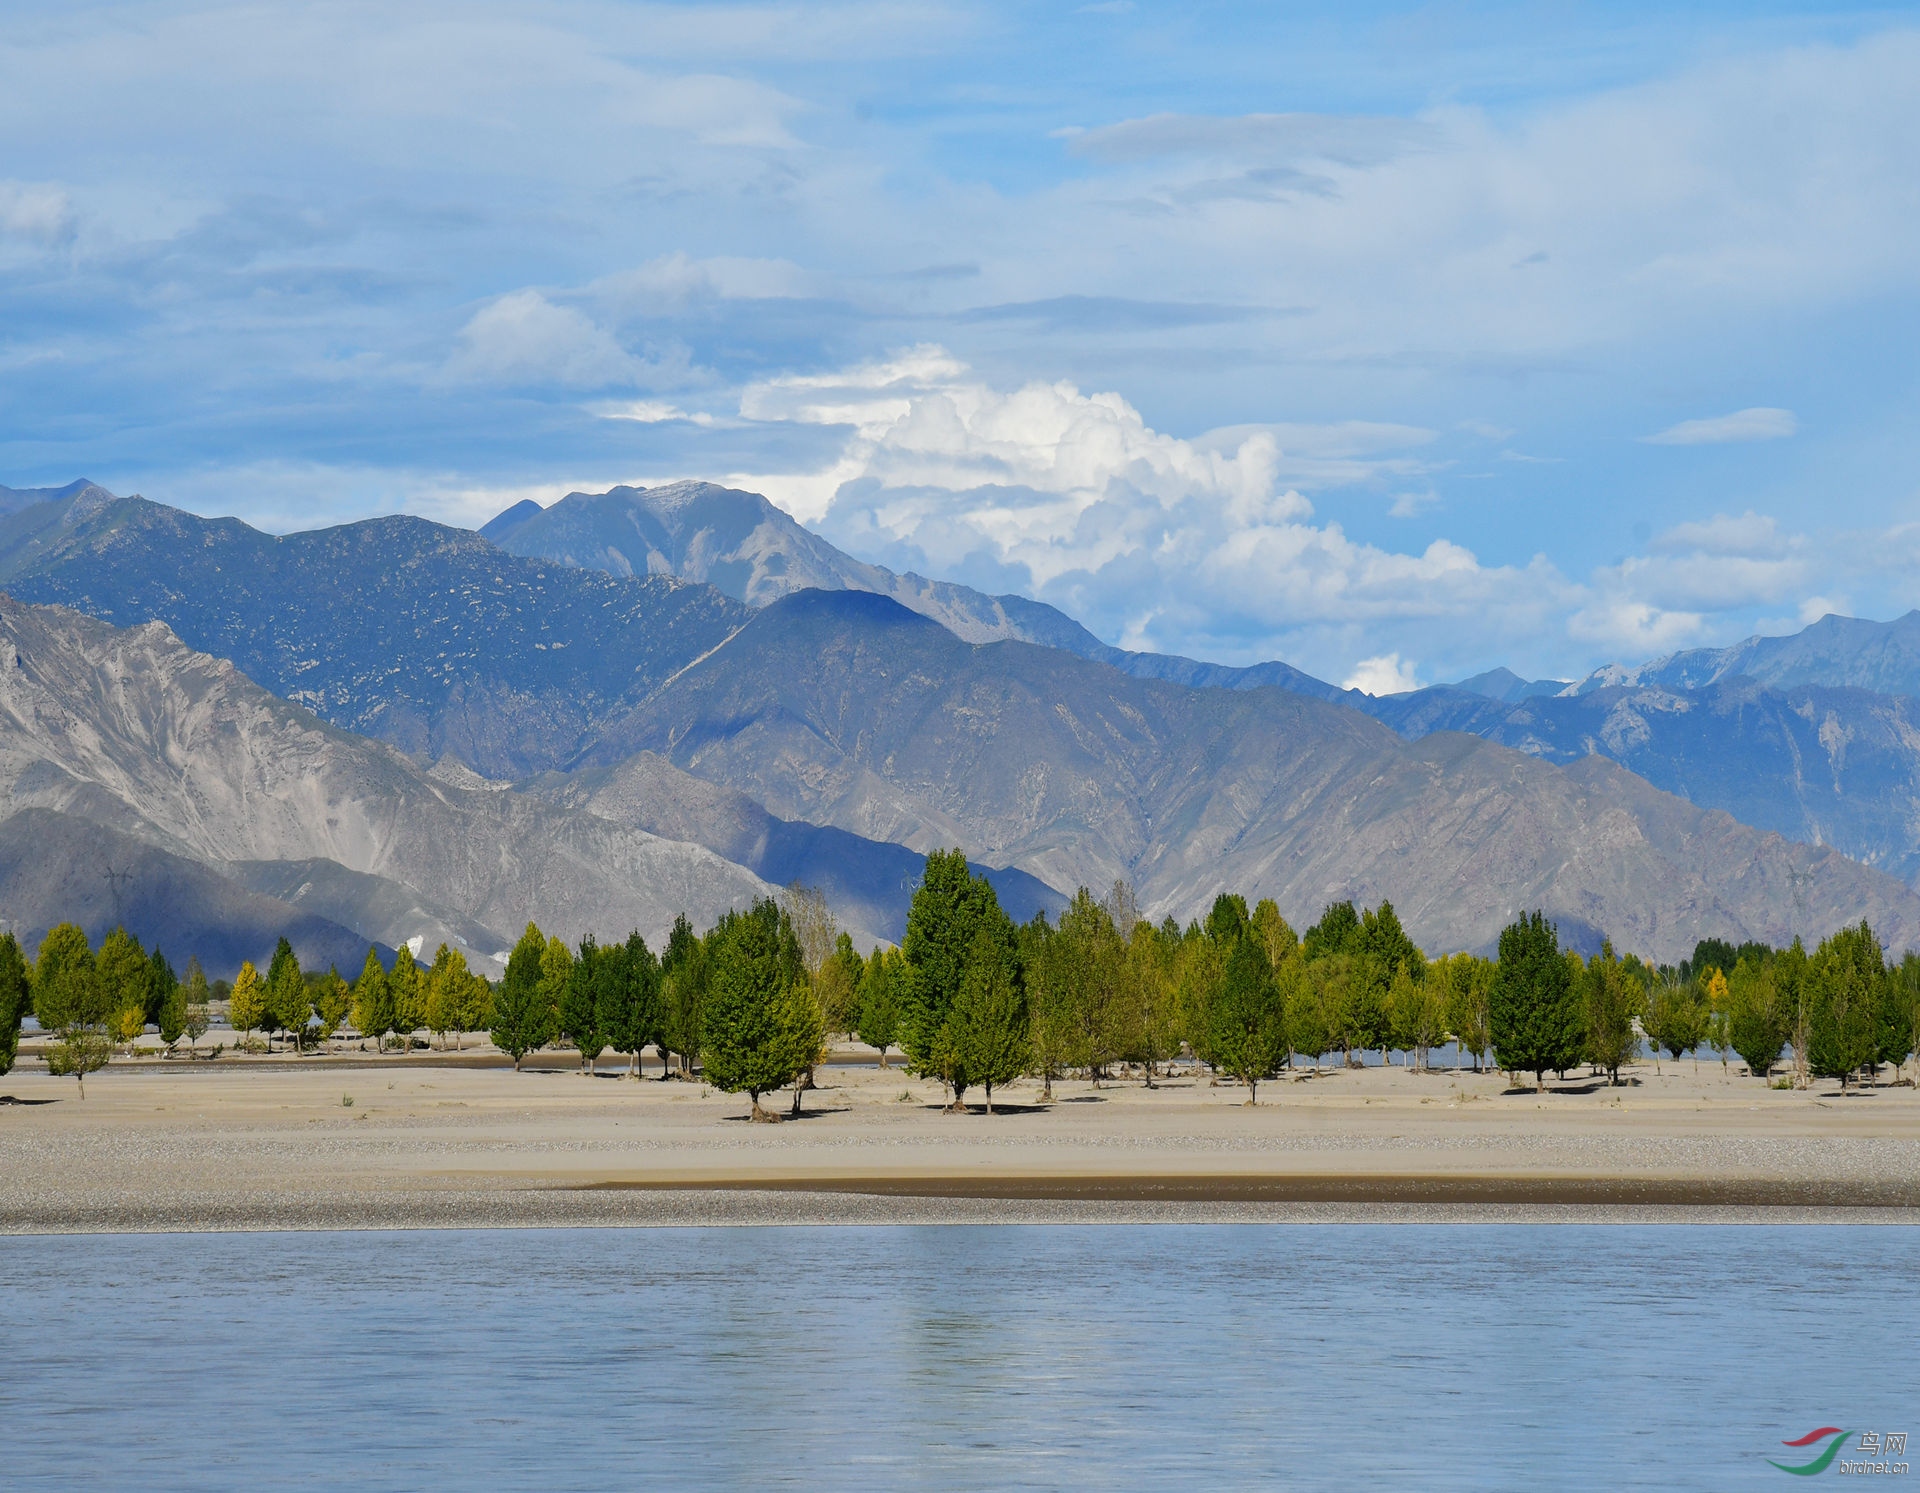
[(847, 709), (421, 635), (131, 729)]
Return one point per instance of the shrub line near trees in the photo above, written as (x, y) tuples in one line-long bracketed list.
[(974, 1001)]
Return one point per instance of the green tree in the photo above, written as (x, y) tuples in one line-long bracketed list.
[(1249, 1018), (837, 986), (1308, 1031), (332, 1001), (1469, 983), (1053, 1001), (246, 1003), (1092, 944), (1534, 1009), (1154, 1021), (1385, 942), (373, 1000), (447, 997), (627, 991), (407, 995), (126, 982), (289, 1006), (1417, 1011), (556, 968), (683, 992), (950, 907), (67, 991), (758, 1036), (161, 984), (172, 1015), (15, 998), (522, 1014), (199, 999), (989, 1017), (1846, 973), (1610, 1001), (79, 1050), (1228, 919), (1676, 1016), (1199, 966), (580, 1008), (878, 1020), (1337, 932)]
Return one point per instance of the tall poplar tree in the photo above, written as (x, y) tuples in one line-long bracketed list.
[(1846, 973), (579, 1010), (627, 990), (373, 1000), (126, 981), (877, 1020), (408, 996), (1610, 1000), (950, 907), (288, 1004), (15, 998), (1535, 1012), (989, 1017), (683, 992), (522, 1014), (246, 1002), (756, 1036), (1249, 1025)]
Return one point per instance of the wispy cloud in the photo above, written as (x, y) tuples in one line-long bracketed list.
[(1758, 424)]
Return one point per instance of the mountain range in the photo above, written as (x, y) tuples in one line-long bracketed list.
[(658, 700)]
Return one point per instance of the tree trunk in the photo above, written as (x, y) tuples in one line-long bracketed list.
[(1253, 1091), (1046, 1092), (883, 1060), (798, 1090), (989, 1098)]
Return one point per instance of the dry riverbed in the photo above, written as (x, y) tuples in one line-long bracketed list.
[(456, 1140)]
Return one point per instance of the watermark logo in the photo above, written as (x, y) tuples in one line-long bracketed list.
[(1876, 1447)]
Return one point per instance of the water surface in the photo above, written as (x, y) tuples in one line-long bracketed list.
[(951, 1358)]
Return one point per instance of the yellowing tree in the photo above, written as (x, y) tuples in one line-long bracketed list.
[(248, 1003)]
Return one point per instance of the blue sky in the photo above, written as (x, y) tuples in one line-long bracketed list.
[(1395, 341)]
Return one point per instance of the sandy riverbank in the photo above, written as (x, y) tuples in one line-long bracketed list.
[(432, 1142)]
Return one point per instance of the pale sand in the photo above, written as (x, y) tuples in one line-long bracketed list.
[(434, 1142)]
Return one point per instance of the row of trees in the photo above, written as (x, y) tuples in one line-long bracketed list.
[(89, 1000), (976, 1001)]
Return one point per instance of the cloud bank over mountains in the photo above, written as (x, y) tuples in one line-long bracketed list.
[(1278, 335)]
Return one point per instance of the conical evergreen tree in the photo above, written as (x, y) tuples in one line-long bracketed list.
[(1536, 1012), (522, 1014), (372, 1000), (989, 1018), (14, 999)]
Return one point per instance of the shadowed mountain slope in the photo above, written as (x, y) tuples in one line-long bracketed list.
[(869, 881), (847, 709), (63, 868)]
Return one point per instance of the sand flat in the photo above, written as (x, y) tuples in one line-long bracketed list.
[(433, 1141)]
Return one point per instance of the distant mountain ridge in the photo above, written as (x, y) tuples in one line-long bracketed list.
[(1836, 651), (756, 552), (418, 634)]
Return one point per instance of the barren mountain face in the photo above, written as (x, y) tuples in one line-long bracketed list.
[(133, 729), (848, 710)]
